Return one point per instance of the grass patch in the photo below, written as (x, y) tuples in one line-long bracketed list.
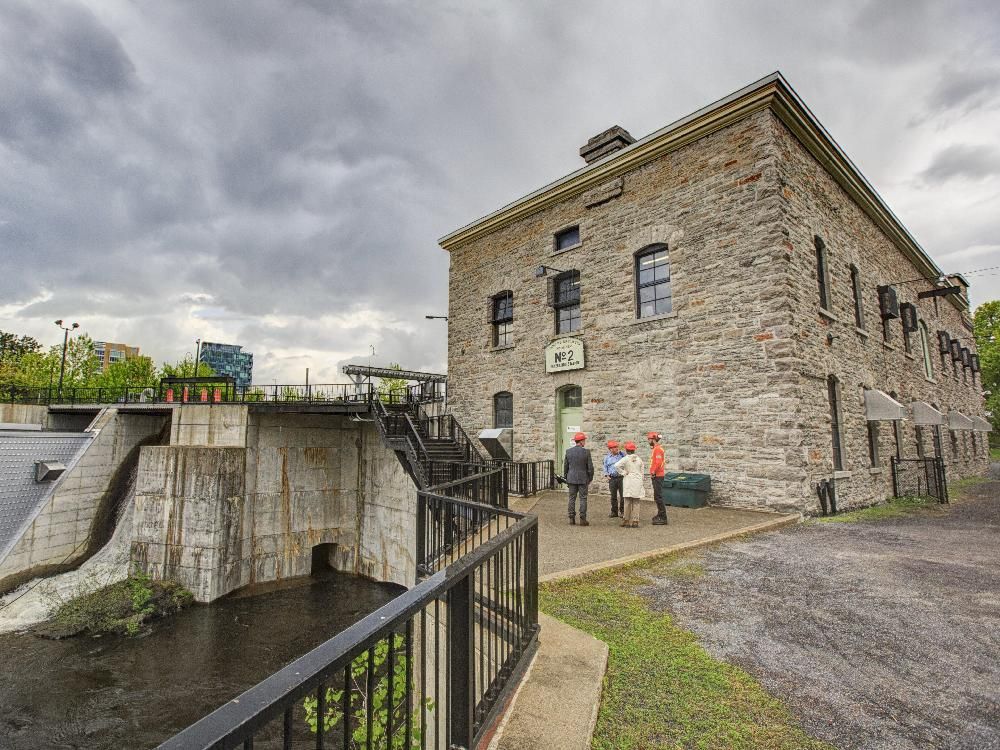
[(898, 507), (968, 482), (124, 607), (995, 453), (662, 689)]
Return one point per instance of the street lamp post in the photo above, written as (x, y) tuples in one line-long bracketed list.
[(197, 356), (62, 366)]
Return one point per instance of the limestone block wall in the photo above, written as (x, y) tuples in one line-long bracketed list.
[(813, 204), (61, 534), (715, 375), (218, 517)]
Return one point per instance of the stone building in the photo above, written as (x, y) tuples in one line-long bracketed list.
[(733, 282)]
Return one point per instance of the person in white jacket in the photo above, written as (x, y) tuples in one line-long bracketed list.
[(633, 472)]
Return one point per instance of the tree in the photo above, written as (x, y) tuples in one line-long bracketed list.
[(185, 369), (133, 372), (986, 323), (392, 389)]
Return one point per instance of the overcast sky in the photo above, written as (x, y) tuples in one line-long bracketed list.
[(276, 174)]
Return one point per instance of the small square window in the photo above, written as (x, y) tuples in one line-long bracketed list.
[(567, 238)]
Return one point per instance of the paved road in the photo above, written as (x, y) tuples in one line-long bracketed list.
[(877, 635)]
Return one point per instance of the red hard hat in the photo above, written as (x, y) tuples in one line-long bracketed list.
[(653, 436), (612, 443), (579, 437), (630, 446)]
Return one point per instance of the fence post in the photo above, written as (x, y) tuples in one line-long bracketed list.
[(531, 574), (461, 658), (421, 530), (894, 462)]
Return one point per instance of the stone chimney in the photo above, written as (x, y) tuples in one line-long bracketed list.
[(613, 139)]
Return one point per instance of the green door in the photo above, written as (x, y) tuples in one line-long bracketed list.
[(569, 420)]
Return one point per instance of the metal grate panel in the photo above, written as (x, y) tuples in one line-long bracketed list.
[(21, 497)]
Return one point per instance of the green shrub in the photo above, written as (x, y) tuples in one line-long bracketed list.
[(123, 607)]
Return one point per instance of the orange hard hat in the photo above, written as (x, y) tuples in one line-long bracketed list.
[(630, 446), (612, 443), (653, 436), (579, 437)]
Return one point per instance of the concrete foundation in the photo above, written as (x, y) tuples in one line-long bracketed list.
[(243, 497)]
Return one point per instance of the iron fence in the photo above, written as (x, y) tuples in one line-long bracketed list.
[(923, 477), (528, 477), (431, 669), (194, 392)]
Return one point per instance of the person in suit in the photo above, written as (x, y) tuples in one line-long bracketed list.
[(578, 468)]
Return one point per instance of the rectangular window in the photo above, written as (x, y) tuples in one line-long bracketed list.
[(652, 282), (873, 453), (833, 392), (567, 238), (859, 308), (503, 319), (566, 301), (824, 292)]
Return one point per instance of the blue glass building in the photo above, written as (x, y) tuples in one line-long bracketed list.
[(229, 359)]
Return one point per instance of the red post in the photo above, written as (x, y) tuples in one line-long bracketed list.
[(204, 395), (170, 395), (184, 395), (217, 395)]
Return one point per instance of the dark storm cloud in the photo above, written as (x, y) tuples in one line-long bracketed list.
[(964, 161), (277, 174)]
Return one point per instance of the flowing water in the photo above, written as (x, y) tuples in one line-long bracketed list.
[(118, 692)]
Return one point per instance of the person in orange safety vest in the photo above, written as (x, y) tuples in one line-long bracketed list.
[(657, 467)]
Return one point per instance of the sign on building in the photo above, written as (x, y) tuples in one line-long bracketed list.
[(564, 354)]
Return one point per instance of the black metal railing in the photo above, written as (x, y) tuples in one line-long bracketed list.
[(446, 427), (431, 669), (920, 477), (528, 477)]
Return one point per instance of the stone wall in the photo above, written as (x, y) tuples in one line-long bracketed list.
[(814, 205), (221, 516), (709, 375), (734, 376)]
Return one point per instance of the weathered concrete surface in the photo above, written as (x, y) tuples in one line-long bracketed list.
[(556, 706), (218, 425), (24, 414), (251, 506), (63, 530), (563, 548), (877, 635)]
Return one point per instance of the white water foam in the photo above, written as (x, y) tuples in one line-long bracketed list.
[(37, 600)]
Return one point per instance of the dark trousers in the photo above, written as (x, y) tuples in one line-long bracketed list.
[(661, 509), (615, 486), (574, 490)]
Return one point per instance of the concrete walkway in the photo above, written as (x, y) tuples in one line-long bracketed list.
[(565, 550), (555, 707)]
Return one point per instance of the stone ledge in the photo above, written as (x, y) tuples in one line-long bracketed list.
[(654, 318)]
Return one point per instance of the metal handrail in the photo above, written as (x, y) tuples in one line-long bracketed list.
[(238, 720)]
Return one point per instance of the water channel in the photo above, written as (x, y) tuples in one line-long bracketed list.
[(116, 692)]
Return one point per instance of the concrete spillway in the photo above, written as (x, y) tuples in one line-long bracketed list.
[(36, 600)]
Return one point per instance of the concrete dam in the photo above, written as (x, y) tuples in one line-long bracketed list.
[(225, 495)]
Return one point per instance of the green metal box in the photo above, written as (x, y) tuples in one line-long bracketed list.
[(686, 490)]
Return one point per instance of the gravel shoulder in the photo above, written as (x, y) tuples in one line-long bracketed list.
[(876, 635)]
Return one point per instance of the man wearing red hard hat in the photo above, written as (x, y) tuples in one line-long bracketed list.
[(578, 468), (657, 467)]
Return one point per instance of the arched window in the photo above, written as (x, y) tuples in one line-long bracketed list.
[(503, 409), (565, 298), (822, 272), (653, 294), (833, 393), (925, 349), (502, 318)]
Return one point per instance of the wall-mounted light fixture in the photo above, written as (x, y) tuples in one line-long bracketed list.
[(542, 270)]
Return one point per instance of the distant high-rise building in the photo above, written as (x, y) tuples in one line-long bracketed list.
[(108, 352), (229, 359)]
